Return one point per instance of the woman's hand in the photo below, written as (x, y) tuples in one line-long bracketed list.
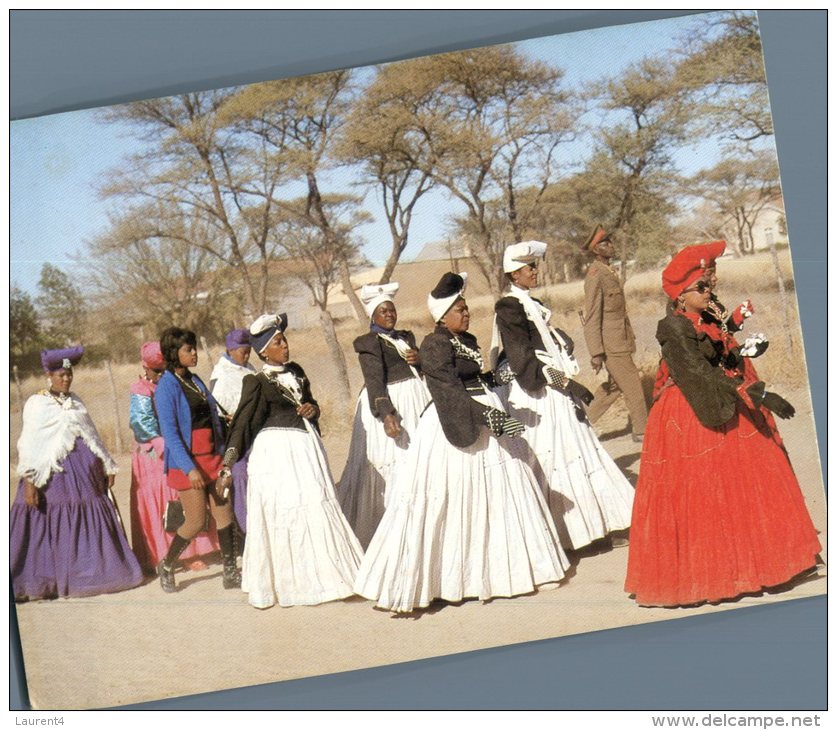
[(391, 426), (307, 411), (412, 356), (30, 494), (223, 484), (196, 479)]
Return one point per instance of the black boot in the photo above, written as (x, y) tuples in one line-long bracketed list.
[(227, 540), (240, 537), (165, 568)]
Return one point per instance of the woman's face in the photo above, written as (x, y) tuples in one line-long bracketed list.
[(60, 380), (696, 297), (277, 351), (457, 318), (187, 356), (241, 355), (152, 375), (385, 315), (526, 277)]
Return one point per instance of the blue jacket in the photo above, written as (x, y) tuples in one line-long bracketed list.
[(176, 422)]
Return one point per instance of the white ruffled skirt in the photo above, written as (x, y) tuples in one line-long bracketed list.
[(460, 523), (373, 455), (299, 550), (587, 493)]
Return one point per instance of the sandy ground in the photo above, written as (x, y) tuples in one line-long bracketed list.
[(113, 650)]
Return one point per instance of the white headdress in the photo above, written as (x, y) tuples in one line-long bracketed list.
[(374, 294), (517, 255)]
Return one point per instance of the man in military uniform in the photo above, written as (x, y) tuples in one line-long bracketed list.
[(609, 336)]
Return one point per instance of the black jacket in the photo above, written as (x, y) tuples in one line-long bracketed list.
[(263, 406), (520, 340), (381, 364), (449, 377), (694, 362)]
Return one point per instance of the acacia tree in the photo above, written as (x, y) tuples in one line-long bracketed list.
[(381, 135), (61, 306), (724, 73), (196, 166), (298, 120), (633, 156), (489, 122)]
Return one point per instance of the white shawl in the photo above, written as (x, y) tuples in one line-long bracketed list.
[(555, 354), (226, 380), (49, 433)]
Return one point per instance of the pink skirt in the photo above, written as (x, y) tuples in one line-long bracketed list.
[(149, 495)]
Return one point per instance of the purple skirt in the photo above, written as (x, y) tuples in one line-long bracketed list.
[(239, 491), (72, 544)]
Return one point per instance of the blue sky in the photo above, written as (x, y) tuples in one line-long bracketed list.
[(58, 162)]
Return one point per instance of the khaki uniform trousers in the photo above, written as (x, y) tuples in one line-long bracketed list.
[(624, 380)]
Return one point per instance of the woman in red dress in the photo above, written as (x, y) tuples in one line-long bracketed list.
[(718, 511)]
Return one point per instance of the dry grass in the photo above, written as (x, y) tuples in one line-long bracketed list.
[(753, 278)]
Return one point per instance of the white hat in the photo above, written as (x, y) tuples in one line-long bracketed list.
[(374, 294), (450, 287), (517, 255), (264, 329)]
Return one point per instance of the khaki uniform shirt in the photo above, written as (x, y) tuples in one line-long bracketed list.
[(607, 329)]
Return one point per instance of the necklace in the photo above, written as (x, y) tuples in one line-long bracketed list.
[(191, 386), (462, 350), (60, 398), (272, 374), (717, 311)]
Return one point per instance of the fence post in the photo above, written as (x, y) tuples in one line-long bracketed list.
[(115, 408)]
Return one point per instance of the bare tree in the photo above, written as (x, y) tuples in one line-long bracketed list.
[(381, 135), (153, 270), (195, 166), (319, 261), (297, 119), (739, 189)]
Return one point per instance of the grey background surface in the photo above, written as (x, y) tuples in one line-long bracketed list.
[(769, 657)]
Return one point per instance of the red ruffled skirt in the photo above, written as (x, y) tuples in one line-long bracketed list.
[(718, 512)]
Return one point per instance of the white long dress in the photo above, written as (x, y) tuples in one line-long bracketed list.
[(587, 493), (373, 455), (461, 522), (299, 550)]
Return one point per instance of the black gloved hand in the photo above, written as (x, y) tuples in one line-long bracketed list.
[(555, 377), (577, 390), (501, 423), (512, 427), (778, 405)]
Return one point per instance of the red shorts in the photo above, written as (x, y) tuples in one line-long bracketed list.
[(203, 454)]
